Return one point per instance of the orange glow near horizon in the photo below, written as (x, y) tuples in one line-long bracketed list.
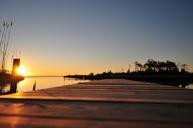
[(22, 71)]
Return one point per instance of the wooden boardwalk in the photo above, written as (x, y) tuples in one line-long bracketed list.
[(100, 104)]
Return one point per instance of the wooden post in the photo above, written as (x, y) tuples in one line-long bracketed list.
[(16, 64)]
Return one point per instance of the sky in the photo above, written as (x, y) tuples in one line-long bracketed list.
[(60, 37)]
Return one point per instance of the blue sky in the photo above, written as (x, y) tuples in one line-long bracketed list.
[(80, 36)]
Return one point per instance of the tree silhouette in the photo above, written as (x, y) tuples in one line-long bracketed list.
[(138, 66), (157, 66), (150, 65), (184, 68), (171, 66)]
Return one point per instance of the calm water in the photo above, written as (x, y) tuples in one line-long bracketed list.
[(45, 82), (41, 83)]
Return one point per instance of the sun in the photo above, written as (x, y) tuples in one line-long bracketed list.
[(22, 70)]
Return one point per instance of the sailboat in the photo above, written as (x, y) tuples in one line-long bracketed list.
[(5, 35)]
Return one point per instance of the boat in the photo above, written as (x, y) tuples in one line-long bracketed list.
[(5, 36)]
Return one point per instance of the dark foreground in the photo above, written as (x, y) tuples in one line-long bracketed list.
[(100, 104), (9, 78)]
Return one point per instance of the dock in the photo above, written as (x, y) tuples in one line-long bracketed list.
[(110, 103)]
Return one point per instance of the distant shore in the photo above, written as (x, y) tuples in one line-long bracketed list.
[(162, 72), (168, 79)]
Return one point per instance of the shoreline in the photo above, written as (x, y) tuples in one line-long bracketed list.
[(173, 80)]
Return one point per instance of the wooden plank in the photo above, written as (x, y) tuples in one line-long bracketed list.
[(73, 123), (100, 110), (120, 113), (104, 103)]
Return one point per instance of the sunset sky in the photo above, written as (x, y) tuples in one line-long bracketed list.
[(60, 37)]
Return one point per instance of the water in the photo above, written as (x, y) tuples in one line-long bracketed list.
[(41, 83), (45, 82)]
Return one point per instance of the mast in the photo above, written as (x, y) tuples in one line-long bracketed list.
[(5, 42)]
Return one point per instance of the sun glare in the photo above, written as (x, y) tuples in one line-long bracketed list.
[(22, 71)]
